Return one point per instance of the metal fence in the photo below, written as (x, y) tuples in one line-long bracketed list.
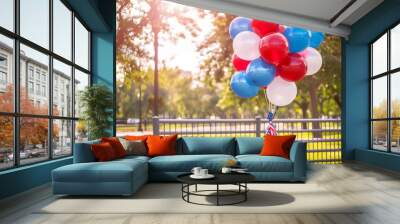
[(323, 136), (134, 125)]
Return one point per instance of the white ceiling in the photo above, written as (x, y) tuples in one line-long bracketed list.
[(320, 15)]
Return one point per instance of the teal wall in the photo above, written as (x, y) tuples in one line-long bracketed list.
[(99, 15), (356, 125), (24, 178), (104, 53)]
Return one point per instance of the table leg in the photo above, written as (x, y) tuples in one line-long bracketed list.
[(188, 189), (217, 194), (182, 190), (195, 188), (245, 193)]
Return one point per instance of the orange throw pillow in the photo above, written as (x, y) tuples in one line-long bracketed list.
[(136, 138), (275, 145), (103, 152), (116, 145), (161, 145)]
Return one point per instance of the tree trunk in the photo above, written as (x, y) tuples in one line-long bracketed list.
[(304, 108), (338, 100), (155, 23), (155, 106), (140, 128), (314, 109), (130, 108)]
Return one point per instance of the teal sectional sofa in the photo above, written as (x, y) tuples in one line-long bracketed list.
[(125, 176)]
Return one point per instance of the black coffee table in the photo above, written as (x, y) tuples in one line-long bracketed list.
[(238, 179)]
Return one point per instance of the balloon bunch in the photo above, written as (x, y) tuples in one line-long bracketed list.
[(272, 57)]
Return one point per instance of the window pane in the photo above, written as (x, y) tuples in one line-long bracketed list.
[(81, 131), (395, 136), (379, 135), (7, 14), (379, 55), (81, 82), (395, 94), (62, 138), (34, 97), (6, 74), (35, 21), (379, 97), (395, 47), (62, 89), (6, 142), (62, 29), (81, 45), (33, 139)]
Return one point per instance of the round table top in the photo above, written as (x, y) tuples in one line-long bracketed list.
[(220, 178)]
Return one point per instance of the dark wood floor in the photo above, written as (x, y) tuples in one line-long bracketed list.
[(378, 189)]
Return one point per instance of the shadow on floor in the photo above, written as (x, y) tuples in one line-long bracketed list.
[(256, 198)]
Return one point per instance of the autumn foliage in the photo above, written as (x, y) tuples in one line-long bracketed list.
[(33, 131)]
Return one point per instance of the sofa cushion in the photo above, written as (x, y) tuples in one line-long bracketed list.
[(133, 157), (161, 145), (185, 163), (206, 145), (134, 147), (136, 138), (118, 177), (249, 145), (120, 170), (103, 152), (277, 145), (116, 145), (257, 163), (83, 152)]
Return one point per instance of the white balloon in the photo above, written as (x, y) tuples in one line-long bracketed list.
[(281, 92), (313, 60), (246, 45)]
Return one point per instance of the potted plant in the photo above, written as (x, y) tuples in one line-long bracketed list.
[(96, 102)]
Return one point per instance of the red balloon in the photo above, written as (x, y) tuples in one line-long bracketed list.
[(293, 68), (263, 28), (239, 64), (274, 48)]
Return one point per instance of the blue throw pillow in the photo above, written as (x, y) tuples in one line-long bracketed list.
[(208, 145)]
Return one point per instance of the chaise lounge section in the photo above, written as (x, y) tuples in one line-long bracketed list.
[(125, 176), (88, 177)]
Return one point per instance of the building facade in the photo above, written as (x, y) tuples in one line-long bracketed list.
[(34, 81)]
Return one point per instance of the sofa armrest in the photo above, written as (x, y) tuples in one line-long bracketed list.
[(299, 158), (83, 152)]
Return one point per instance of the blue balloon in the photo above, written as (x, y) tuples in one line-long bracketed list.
[(238, 25), (260, 73), (298, 38), (316, 39), (242, 87)]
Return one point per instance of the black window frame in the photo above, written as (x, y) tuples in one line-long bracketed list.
[(388, 74), (16, 115)]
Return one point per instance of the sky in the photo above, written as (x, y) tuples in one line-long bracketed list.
[(379, 49), (35, 27), (183, 54)]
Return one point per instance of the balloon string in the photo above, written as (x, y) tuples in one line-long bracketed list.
[(266, 100), (271, 107)]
